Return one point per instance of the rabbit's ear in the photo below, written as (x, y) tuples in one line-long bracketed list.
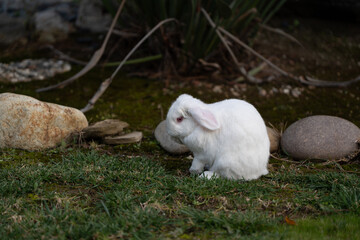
[(205, 118)]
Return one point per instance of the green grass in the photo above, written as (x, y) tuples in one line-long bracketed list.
[(344, 226), (92, 195)]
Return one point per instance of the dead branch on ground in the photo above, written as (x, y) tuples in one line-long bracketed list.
[(241, 69), (95, 58), (105, 84), (65, 57), (281, 32), (304, 80)]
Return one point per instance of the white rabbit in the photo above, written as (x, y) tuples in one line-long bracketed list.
[(228, 138)]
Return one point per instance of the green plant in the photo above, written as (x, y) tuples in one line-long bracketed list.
[(192, 38)]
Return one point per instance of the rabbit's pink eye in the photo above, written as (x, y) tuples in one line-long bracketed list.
[(179, 119)]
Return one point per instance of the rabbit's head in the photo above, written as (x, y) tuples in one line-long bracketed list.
[(188, 113)]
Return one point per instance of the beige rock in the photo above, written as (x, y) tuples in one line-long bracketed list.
[(132, 137), (274, 137), (30, 124), (104, 128)]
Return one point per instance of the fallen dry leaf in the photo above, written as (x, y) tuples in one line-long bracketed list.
[(289, 221)]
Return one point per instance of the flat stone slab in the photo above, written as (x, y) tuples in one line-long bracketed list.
[(167, 142), (104, 128), (320, 137), (132, 137)]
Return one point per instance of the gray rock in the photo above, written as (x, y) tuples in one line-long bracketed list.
[(104, 128), (11, 29), (320, 137), (91, 16), (30, 124), (14, 5), (132, 137), (50, 26), (67, 11), (167, 142)]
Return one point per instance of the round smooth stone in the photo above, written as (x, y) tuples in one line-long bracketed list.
[(320, 137), (167, 142)]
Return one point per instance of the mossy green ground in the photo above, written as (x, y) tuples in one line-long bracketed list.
[(139, 191)]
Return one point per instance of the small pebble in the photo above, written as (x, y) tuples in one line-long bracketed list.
[(217, 89), (262, 92), (296, 92), (234, 92), (32, 69)]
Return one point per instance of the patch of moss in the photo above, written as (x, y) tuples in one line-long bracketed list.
[(14, 157)]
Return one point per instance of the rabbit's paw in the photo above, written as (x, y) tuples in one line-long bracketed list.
[(209, 175)]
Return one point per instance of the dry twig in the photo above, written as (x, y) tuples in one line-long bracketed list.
[(285, 159), (305, 80), (105, 84), (64, 56), (94, 60), (247, 13), (242, 70), (281, 32), (124, 34)]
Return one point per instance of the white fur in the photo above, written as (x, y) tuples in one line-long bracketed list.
[(229, 138)]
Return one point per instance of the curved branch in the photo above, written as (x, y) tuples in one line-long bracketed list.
[(65, 57), (305, 80), (281, 32), (94, 59), (105, 84), (242, 70)]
